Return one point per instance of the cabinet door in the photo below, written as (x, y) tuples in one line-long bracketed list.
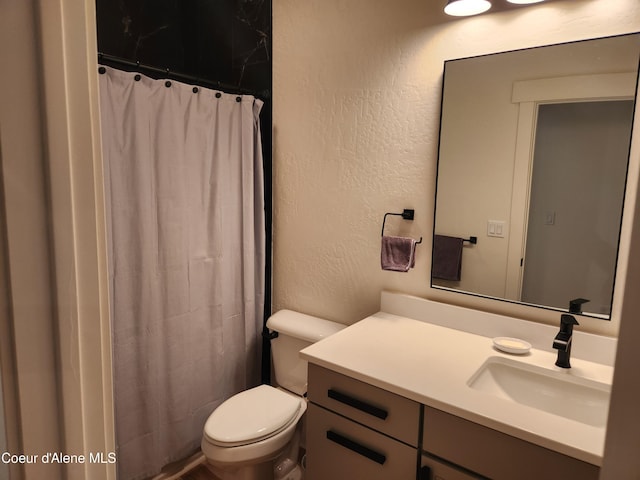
[(432, 469), (496, 455), (339, 449)]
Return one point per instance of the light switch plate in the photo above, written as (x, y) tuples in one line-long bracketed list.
[(496, 228)]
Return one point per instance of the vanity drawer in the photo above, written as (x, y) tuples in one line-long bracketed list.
[(497, 455), (339, 449), (432, 469), (383, 411)]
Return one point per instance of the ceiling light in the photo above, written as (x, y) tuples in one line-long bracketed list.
[(463, 8), (524, 2)]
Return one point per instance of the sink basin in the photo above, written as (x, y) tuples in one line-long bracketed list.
[(555, 392)]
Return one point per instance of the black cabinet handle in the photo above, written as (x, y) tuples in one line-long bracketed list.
[(356, 447), (358, 404), (425, 473)]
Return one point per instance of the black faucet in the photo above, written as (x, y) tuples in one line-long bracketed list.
[(562, 342)]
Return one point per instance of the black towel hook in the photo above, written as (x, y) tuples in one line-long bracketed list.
[(407, 214)]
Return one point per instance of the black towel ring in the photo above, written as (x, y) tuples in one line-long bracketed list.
[(407, 214)]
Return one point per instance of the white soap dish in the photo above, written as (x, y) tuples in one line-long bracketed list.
[(511, 345)]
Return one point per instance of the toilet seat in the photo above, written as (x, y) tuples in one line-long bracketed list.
[(251, 416)]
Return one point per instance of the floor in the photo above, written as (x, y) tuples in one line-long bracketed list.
[(201, 472), (195, 469)]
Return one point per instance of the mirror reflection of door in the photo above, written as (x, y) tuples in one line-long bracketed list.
[(577, 190)]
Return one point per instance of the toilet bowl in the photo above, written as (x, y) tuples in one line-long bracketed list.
[(252, 426), (245, 435)]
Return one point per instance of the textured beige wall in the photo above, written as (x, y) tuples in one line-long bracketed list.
[(357, 87)]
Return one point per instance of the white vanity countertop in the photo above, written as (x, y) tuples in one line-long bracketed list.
[(432, 364)]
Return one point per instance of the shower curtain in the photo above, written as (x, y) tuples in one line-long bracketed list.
[(185, 219)]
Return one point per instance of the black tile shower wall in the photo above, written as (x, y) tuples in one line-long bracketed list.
[(226, 41)]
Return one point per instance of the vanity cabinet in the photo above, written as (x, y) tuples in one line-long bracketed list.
[(358, 431), (495, 455)]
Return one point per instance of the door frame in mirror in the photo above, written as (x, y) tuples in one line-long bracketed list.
[(529, 95)]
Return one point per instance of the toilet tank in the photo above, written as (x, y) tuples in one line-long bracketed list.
[(295, 332)]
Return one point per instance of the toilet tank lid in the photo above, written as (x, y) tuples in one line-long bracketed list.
[(302, 326)]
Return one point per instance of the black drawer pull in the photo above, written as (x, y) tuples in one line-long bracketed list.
[(359, 404), (356, 447), (425, 473)]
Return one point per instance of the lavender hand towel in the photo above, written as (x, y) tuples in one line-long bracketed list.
[(398, 253), (447, 258)]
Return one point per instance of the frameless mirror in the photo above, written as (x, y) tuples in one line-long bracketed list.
[(533, 156)]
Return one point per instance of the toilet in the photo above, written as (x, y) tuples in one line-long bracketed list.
[(248, 432)]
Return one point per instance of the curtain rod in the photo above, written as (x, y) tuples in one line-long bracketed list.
[(112, 60)]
